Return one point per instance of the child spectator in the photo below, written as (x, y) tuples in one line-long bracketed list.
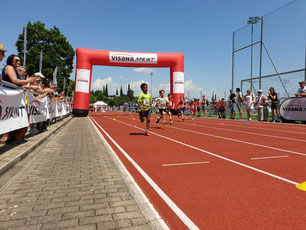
[(265, 111)]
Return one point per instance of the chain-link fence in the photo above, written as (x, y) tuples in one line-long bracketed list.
[(271, 51)]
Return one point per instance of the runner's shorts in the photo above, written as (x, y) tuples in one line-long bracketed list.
[(145, 114)]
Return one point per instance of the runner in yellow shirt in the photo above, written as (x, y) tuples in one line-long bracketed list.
[(144, 103)]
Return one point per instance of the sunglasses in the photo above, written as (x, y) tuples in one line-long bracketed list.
[(17, 60)]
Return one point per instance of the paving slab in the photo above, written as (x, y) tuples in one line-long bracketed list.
[(72, 183)]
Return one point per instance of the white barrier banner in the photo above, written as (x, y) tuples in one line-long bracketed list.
[(51, 108), (13, 114), (294, 109), (37, 108)]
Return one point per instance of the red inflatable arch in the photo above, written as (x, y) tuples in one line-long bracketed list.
[(86, 58)]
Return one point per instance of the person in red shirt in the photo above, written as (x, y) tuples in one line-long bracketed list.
[(170, 106), (192, 106), (181, 107), (222, 107), (199, 107)]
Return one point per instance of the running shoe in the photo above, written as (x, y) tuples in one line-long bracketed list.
[(170, 122), (147, 134), (164, 123), (157, 120)]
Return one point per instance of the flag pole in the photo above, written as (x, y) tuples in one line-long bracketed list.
[(25, 46), (40, 61)]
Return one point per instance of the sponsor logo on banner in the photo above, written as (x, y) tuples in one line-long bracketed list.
[(13, 114), (294, 109), (82, 80), (37, 108), (137, 58), (178, 82)]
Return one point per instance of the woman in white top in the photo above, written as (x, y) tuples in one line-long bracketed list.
[(249, 103)]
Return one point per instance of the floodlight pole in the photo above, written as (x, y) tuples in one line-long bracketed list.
[(233, 61), (260, 64)]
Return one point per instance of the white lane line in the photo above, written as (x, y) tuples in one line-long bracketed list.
[(190, 163), (144, 203), (244, 142), (249, 127), (259, 158), (160, 192), (215, 155), (239, 131)]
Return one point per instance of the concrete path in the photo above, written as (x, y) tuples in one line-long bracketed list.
[(72, 183)]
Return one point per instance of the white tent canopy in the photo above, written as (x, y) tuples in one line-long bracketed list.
[(99, 103)]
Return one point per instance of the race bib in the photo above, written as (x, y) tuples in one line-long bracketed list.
[(162, 102), (192, 107), (170, 103), (146, 102)]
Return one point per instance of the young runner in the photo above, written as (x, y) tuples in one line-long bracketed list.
[(161, 102), (198, 102), (221, 108), (181, 107), (192, 106), (144, 103), (170, 106)]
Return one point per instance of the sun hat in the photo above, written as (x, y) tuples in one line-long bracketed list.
[(302, 82), (2, 47), (259, 91), (38, 74)]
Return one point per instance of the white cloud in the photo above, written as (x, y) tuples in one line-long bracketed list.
[(144, 70), (99, 83), (165, 85), (189, 85)]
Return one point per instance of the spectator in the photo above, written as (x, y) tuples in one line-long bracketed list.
[(22, 72), (10, 74), (221, 108), (204, 105), (2, 55), (275, 104), (232, 103), (249, 104), (239, 100), (259, 102), (2, 52), (215, 105), (302, 90)]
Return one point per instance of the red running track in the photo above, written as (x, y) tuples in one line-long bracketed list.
[(232, 191)]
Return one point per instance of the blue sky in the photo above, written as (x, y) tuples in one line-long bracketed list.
[(202, 30)]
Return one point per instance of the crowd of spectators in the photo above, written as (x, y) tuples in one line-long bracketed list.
[(39, 85)]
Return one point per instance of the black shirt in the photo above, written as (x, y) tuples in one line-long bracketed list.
[(232, 98)]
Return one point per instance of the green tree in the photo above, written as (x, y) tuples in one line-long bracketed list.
[(121, 91), (116, 92), (106, 90), (57, 51), (130, 93), (103, 91)]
